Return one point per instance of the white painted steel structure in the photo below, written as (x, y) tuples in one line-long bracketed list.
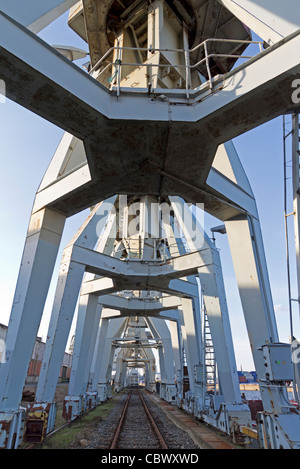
[(161, 85)]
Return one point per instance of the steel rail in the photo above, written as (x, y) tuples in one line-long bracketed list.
[(158, 434), (120, 423), (155, 427), (118, 429)]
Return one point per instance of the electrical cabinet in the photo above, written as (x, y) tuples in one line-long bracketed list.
[(278, 362)]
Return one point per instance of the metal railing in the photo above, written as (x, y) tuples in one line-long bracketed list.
[(187, 65), (134, 251)]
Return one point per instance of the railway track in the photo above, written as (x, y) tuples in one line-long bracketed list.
[(135, 422), (136, 427)]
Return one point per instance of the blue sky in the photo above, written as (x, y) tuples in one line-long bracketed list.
[(27, 144)]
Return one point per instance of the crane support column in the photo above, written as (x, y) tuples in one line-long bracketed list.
[(280, 421), (109, 329), (231, 410), (176, 339), (39, 256), (78, 400), (161, 331), (191, 345), (119, 366), (68, 287)]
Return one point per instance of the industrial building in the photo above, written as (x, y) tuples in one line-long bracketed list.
[(35, 364)]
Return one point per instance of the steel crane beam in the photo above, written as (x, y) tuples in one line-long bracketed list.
[(42, 80), (34, 14)]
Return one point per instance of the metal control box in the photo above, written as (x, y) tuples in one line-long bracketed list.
[(278, 362)]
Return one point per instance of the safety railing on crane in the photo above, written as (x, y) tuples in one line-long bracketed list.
[(160, 249), (117, 64)]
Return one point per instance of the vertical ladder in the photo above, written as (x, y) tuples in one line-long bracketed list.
[(296, 190), (295, 212), (209, 358)]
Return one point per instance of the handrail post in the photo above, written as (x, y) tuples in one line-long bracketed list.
[(118, 78), (119, 70), (187, 61), (149, 77), (207, 64), (118, 61), (187, 73)]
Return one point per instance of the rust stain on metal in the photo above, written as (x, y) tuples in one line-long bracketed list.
[(5, 427)]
